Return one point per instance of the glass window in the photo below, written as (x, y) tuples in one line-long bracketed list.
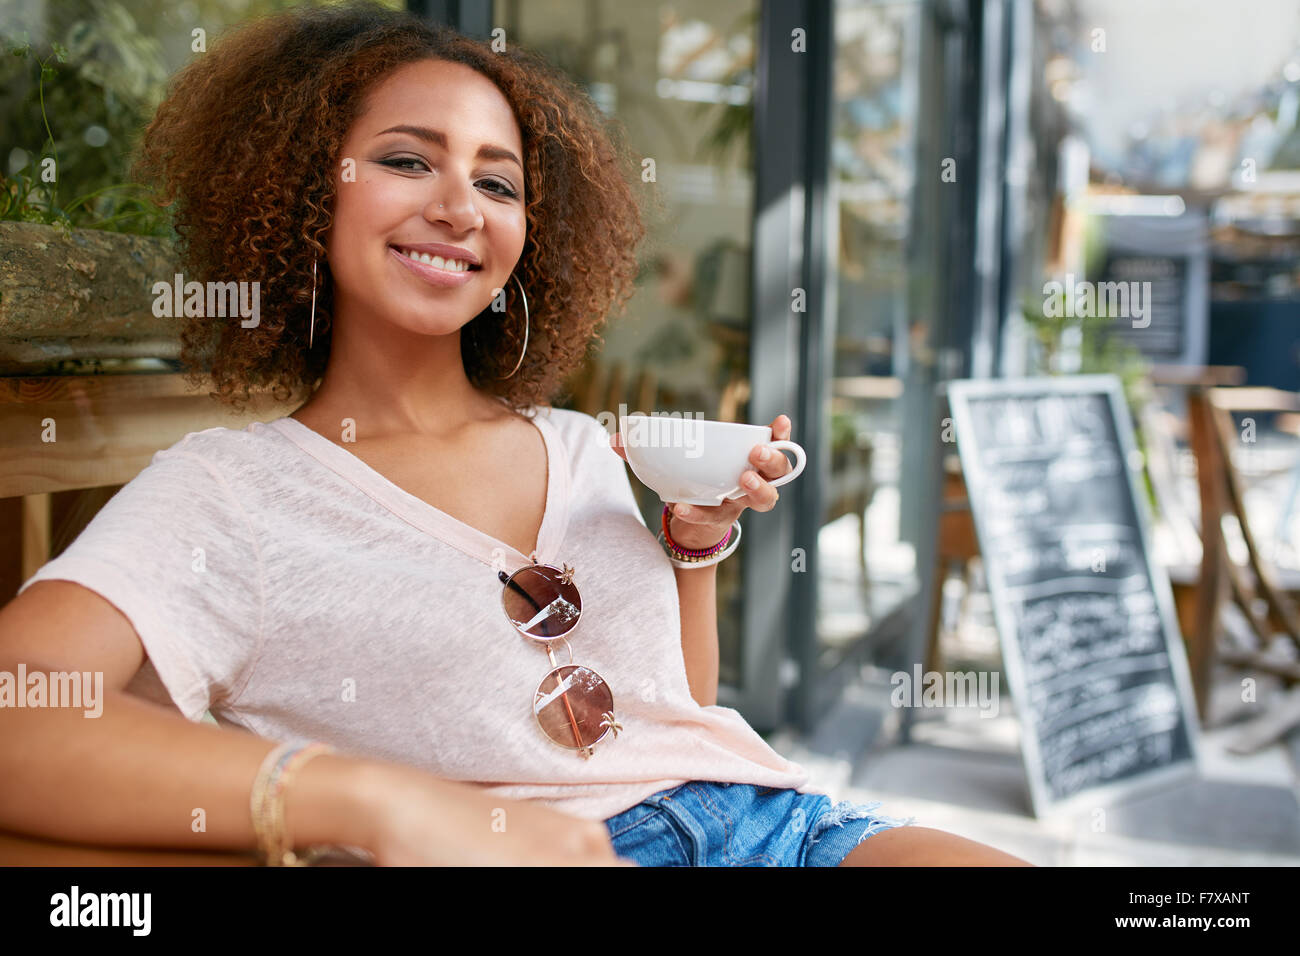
[(679, 80), (867, 564)]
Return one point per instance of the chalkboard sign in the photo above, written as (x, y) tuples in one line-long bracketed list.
[(1164, 263), (1162, 334), (1090, 644)]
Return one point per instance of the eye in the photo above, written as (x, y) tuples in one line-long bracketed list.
[(409, 163), (505, 190)]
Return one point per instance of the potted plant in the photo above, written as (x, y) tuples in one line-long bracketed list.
[(79, 246)]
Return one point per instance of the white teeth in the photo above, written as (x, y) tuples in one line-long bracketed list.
[(438, 262)]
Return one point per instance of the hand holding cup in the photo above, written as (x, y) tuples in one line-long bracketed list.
[(696, 526)]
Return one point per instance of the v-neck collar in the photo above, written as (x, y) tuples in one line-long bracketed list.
[(418, 512)]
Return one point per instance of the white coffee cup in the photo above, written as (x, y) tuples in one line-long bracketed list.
[(695, 461)]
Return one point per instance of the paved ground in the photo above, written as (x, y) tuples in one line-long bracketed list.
[(964, 774)]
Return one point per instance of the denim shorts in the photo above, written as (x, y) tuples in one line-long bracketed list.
[(705, 823)]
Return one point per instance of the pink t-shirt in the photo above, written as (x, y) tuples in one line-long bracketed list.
[(277, 580)]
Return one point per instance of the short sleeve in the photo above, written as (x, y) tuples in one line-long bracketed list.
[(594, 439), (176, 553)]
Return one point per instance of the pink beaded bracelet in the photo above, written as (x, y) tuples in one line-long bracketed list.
[(685, 554)]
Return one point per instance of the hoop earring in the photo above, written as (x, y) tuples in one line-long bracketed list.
[(524, 352), (311, 340)]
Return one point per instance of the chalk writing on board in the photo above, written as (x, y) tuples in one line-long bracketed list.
[(1046, 475)]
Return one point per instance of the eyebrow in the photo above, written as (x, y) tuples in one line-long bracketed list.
[(439, 138)]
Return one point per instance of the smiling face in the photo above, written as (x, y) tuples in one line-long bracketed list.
[(437, 154)]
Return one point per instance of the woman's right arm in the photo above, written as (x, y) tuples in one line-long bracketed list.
[(137, 774)]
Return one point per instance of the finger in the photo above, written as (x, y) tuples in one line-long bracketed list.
[(701, 514), (616, 443), (781, 428), (773, 465), (709, 514), (759, 494)]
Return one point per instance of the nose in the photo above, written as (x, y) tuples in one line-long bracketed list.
[(454, 204)]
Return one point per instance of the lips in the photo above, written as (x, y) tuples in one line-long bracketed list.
[(433, 270), (439, 255)]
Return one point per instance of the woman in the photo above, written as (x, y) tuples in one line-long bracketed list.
[(437, 231)]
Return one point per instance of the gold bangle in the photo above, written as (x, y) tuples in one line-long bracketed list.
[(292, 766), (258, 797), (267, 801)]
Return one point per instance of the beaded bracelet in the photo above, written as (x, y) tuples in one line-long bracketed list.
[(699, 562), (685, 554), (682, 558)]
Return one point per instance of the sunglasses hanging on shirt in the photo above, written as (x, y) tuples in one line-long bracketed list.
[(573, 704)]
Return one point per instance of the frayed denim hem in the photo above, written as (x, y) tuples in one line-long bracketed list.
[(845, 811)]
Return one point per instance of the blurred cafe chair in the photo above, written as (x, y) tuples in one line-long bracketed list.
[(1262, 593)]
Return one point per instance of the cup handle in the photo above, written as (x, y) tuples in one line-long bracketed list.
[(800, 457)]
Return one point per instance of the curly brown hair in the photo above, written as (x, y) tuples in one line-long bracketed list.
[(245, 146)]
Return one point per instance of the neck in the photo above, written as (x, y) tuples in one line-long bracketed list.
[(392, 381)]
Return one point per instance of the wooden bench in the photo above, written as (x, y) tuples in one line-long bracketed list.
[(68, 443)]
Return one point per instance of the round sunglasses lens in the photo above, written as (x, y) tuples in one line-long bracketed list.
[(541, 604), (574, 705)]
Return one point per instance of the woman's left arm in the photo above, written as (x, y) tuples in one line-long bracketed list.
[(699, 527), (697, 590)]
